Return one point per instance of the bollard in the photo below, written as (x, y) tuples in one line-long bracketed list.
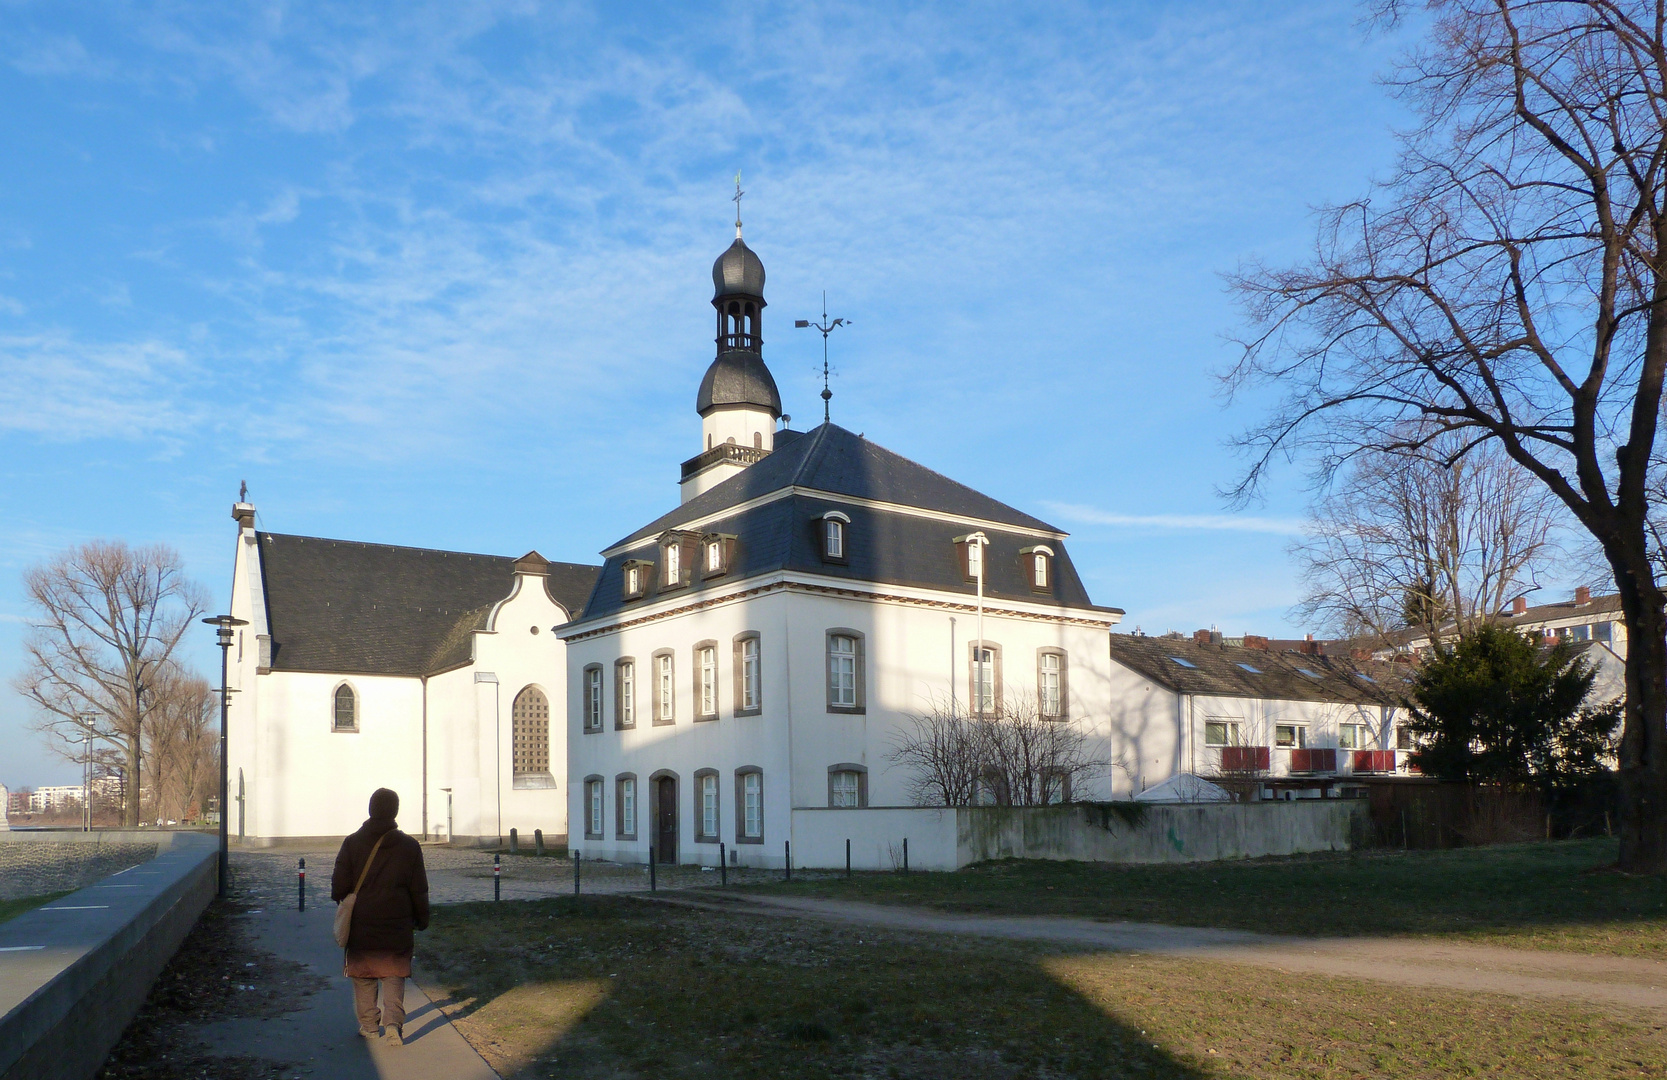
[(651, 885), (497, 875), (787, 857), (301, 887), (538, 841), (847, 858), (514, 843), (723, 865), (578, 859), (905, 854)]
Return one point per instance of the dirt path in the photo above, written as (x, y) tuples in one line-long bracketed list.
[(1618, 982)]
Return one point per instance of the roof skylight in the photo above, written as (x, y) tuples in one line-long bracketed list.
[(1184, 663), (1310, 674), (1363, 675), (1253, 671)]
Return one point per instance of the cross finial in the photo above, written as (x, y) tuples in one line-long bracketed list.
[(738, 194)]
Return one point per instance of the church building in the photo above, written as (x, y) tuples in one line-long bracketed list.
[(747, 660)]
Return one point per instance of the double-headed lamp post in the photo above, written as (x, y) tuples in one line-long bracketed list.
[(224, 623)]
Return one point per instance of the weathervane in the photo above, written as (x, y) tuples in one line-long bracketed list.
[(738, 194), (827, 328)]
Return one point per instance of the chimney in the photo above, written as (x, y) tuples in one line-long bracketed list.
[(1256, 641), (1519, 606), (1582, 596), (1201, 637), (244, 514)]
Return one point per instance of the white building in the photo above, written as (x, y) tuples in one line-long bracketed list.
[(438, 674), (747, 659)]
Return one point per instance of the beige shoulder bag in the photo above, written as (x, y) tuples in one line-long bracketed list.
[(344, 910)]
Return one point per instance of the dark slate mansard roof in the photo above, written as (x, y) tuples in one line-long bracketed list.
[(375, 609), (883, 546), (1222, 671)]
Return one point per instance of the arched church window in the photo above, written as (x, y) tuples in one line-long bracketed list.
[(346, 715), (530, 724)]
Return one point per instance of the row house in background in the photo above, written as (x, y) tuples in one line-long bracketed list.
[(1215, 709)]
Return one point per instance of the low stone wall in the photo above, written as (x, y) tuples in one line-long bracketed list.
[(950, 838), (74, 973), (1158, 833)]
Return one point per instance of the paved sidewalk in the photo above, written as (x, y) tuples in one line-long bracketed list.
[(321, 1035), (1612, 981)]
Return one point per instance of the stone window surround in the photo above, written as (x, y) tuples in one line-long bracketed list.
[(335, 693), (861, 707), (622, 722), (1064, 682), (701, 836), (997, 685), (645, 573), (862, 781), (741, 805), (659, 720), (739, 663), (590, 724), (596, 779), (626, 830), (717, 698)]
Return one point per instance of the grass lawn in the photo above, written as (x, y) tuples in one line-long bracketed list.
[(616, 986), (1553, 895), (11, 909)]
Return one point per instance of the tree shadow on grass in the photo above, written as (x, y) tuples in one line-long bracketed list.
[(609, 986)]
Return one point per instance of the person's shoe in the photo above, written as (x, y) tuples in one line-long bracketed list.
[(394, 1036), (373, 1033)]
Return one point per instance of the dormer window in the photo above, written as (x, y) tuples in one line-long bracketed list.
[(717, 551), (972, 554), (673, 564), (832, 534), (714, 556), (635, 577), (1037, 565)]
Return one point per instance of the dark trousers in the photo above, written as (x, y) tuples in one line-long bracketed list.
[(393, 1002)]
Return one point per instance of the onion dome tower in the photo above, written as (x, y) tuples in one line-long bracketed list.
[(738, 401)]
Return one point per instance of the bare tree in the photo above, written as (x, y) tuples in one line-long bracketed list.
[(182, 745), (107, 621), (1012, 756), (1432, 542), (1506, 284)]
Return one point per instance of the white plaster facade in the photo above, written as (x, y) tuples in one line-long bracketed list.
[(443, 741)]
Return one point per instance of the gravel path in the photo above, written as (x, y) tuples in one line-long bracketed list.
[(36, 867)]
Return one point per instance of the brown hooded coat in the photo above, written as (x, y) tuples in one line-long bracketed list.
[(393, 902)]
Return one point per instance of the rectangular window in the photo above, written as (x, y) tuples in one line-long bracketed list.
[(674, 571), (1403, 738), (1351, 737), (593, 698), (593, 795), (1051, 702), (665, 697), (627, 673), (709, 806), (1222, 733), (749, 674), (1601, 631), (1039, 570), (975, 559), (708, 681), (1290, 736), (983, 681), (628, 806), (714, 556), (633, 580), (833, 539), (846, 789), (842, 671), (752, 797), (1053, 789)]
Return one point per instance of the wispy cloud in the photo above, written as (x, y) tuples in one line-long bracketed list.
[(61, 388), (1089, 515)]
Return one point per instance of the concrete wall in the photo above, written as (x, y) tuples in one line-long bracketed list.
[(74, 973), (948, 839)]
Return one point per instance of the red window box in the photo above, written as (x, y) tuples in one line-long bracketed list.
[(1374, 761), (1238, 759), (1314, 761)]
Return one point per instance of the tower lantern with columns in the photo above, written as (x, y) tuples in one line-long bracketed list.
[(738, 401)]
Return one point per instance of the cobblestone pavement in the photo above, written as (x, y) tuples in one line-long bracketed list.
[(459, 875), (36, 867)]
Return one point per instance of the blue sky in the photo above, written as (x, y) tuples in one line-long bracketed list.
[(438, 274)]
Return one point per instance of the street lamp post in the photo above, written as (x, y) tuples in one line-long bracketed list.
[(224, 623)]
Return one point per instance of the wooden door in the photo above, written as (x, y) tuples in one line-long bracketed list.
[(667, 825)]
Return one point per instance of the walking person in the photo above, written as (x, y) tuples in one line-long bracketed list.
[(385, 868)]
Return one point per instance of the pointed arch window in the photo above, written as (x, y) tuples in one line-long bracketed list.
[(345, 709), (530, 738)]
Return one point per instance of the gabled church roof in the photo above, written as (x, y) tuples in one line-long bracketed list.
[(343, 606), (831, 468)]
